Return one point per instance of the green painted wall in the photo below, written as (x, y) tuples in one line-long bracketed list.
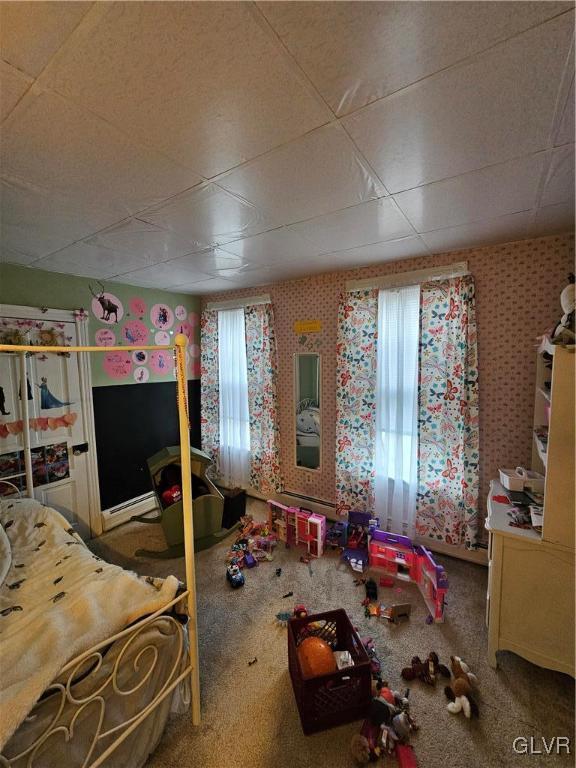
[(37, 288)]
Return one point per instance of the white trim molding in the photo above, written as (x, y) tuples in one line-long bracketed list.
[(249, 301), (401, 279)]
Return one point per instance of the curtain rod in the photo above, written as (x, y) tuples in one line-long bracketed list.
[(399, 279), (249, 301)]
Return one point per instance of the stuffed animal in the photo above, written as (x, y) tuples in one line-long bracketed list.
[(425, 670), (564, 332), (459, 692)]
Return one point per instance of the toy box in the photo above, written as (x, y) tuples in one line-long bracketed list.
[(340, 697)]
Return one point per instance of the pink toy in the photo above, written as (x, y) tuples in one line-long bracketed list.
[(403, 560), (297, 527)]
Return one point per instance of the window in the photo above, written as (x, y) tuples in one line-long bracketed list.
[(396, 452), (233, 380)]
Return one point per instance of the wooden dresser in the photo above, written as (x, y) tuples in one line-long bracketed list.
[(530, 600)]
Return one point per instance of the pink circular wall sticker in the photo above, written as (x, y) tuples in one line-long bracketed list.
[(187, 330), (162, 338), (105, 337), (107, 308), (180, 312), (135, 333), (195, 350), (141, 375), (161, 362), (138, 306), (193, 319), (118, 365), (162, 316), (139, 357)]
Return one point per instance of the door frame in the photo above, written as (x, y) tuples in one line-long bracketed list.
[(80, 320)]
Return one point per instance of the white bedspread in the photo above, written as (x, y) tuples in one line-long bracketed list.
[(57, 600)]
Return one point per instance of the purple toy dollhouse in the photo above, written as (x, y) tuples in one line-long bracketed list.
[(402, 559)]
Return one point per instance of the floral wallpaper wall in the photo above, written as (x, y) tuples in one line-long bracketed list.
[(517, 298)]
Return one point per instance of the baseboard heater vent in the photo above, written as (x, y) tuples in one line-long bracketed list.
[(301, 497)]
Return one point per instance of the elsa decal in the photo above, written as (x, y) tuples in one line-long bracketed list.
[(47, 399)]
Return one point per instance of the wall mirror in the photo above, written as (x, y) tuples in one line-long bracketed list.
[(307, 423)]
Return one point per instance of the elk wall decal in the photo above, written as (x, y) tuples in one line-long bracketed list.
[(108, 306)]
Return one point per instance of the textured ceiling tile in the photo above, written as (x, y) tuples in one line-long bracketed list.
[(13, 85), (203, 82), (32, 32), (490, 192), (559, 186), (209, 216), (356, 53), (39, 221), (143, 239), (50, 142), (553, 219), (206, 286), (12, 256), (495, 107), (403, 248), (275, 247), (565, 133), (318, 173), (370, 222), (487, 232), (91, 261)]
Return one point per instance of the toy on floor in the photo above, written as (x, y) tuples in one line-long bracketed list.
[(316, 657), (387, 726), (300, 612), (235, 575), (375, 663), (460, 689), (396, 613), (427, 670), (296, 526), (405, 756), (361, 526), (365, 746), (398, 557)]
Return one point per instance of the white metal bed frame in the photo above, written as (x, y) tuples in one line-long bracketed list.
[(187, 646)]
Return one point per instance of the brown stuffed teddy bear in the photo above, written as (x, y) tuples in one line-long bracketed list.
[(459, 692), (425, 670)]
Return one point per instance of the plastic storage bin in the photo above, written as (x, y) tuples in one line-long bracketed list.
[(341, 697), (520, 478)]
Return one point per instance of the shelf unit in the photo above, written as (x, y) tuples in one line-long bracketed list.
[(555, 460), (530, 599)]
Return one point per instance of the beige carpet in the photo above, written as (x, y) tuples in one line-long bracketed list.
[(249, 717)]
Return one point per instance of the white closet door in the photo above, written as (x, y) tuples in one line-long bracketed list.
[(57, 425)]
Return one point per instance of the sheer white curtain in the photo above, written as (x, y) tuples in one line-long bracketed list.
[(234, 419), (396, 454)]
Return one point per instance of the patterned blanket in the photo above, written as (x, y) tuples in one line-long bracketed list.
[(57, 600)]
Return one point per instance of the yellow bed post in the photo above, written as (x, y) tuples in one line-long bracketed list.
[(181, 383)]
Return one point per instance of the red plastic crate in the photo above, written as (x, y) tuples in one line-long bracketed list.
[(341, 697)]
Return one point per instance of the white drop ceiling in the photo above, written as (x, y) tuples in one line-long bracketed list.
[(205, 146)]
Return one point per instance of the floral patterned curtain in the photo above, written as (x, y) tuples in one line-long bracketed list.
[(261, 359), (447, 499), (209, 384), (356, 401)]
